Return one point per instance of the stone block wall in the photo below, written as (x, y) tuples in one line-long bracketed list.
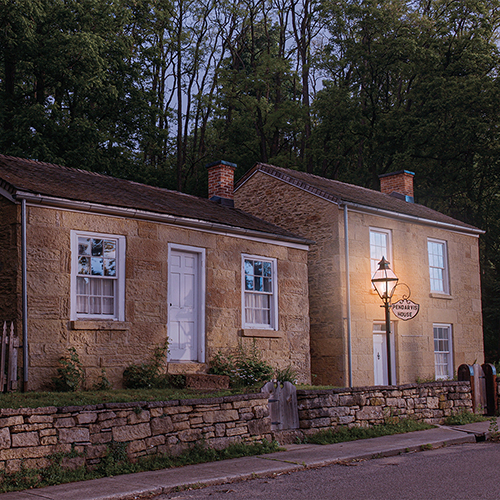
[(29, 436), (367, 406)]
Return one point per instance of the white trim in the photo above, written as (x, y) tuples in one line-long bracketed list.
[(357, 207), (274, 325), (446, 272), (448, 326), (195, 224), (201, 252), (120, 276)]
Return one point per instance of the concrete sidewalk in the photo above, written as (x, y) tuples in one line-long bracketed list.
[(296, 457)]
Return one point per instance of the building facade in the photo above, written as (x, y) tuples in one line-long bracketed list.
[(115, 268), (435, 257)]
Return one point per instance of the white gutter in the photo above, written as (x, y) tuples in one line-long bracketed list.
[(348, 294), (413, 218), (216, 227), (24, 291)]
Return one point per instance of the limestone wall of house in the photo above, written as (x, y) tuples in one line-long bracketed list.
[(115, 345), (323, 222), (414, 339), (318, 220)]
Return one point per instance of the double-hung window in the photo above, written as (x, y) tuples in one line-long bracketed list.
[(380, 246), (260, 298), (443, 358), (98, 273), (438, 266)]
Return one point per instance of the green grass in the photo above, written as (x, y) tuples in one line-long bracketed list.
[(116, 463), (81, 398), (344, 434), (465, 417)]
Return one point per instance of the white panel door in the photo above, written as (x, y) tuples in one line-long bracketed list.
[(379, 359), (380, 355), (183, 311)]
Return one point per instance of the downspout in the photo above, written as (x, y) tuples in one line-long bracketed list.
[(24, 295), (348, 294)]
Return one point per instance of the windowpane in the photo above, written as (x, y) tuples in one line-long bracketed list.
[(97, 247), (84, 245), (83, 265), (97, 266)]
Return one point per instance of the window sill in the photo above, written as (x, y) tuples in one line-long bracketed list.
[(445, 296), (272, 334), (99, 325)]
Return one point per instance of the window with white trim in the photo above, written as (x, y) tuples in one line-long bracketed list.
[(438, 266), (259, 283), (443, 357), (380, 246), (97, 277)]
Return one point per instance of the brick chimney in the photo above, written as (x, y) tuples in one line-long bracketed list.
[(398, 184), (221, 182)]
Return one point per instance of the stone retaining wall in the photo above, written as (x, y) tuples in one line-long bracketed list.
[(29, 435), (366, 406)]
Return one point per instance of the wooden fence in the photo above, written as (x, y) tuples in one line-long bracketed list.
[(8, 359)]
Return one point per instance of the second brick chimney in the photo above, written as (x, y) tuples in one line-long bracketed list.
[(398, 184), (221, 182)]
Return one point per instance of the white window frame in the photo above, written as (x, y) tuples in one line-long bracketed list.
[(273, 324), (375, 260), (119, 302), (449, 352), (445, 279)]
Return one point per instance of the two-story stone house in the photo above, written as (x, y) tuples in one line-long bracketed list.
[(435, 257)]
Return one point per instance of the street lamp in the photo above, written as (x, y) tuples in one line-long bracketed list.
[(384, 280)]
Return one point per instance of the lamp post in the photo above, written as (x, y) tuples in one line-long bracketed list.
[(384, 280)]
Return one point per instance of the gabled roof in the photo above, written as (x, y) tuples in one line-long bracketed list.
[(56, 185), (359, 197)]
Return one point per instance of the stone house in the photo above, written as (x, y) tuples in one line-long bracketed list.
[(114, 268), (435, 257)]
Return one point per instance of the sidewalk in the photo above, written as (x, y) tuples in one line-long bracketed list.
[(296, 457)]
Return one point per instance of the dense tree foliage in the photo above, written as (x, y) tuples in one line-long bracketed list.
[(152, 90)]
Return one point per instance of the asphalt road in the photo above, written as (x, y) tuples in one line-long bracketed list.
[(469, 471)]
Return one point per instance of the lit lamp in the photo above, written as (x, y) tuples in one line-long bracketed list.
[(384, 280)]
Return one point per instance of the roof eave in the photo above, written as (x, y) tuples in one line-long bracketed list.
[(265, 169), (157, 217)]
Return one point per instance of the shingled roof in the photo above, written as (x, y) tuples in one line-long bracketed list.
[(342, 193), (49, 183)]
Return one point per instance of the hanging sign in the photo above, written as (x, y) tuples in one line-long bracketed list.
[(405, 309)]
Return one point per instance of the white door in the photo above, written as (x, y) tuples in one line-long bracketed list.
[(183, 311), (380, 355)]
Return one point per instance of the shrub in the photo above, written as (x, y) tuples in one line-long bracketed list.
[(244, 368), (70, 375), (149, 375), (102, 384), (288, 374)]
